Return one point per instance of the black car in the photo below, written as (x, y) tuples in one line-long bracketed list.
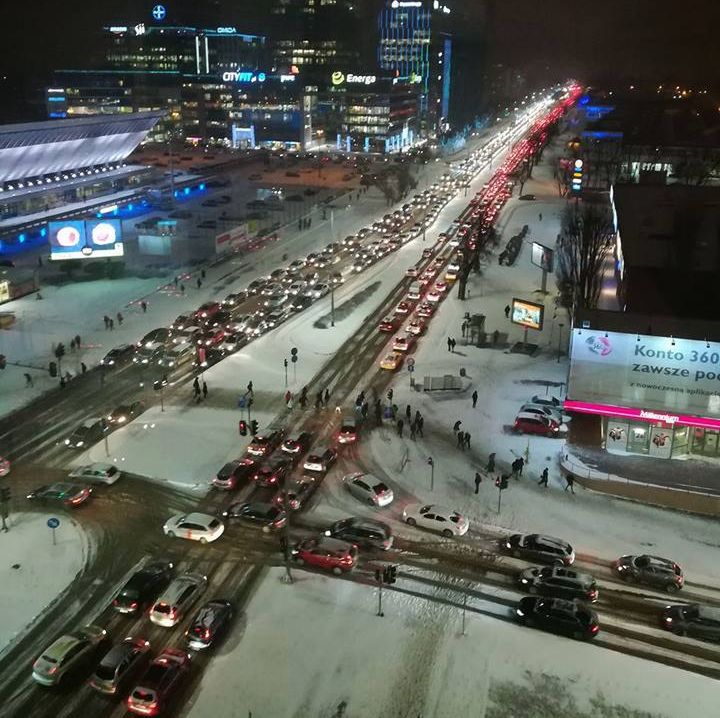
[(539, 547), (559, 582), (693, 620), (119, 355), (87, 434), (161, 334), (125, 413), (299, 303), (267, 516), (299, 445), (233, 472), (273, 472), (650, 570), (69, 495), (234, 298), (366, 533), (120, 665), (143, 587), (209, 624), (570, 618), (256, 285)]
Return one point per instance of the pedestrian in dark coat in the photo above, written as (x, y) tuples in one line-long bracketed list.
[(83, 367), (202, 273), (461, 440), (204, 390), (112, 324), (466, 439), (452, 345), (520, 463), (390, 394), (456, 426), (544, 478), (106, 319), (420, 424), (327, 397), (515, 468), (408, 413), (449, 344), (417, 415), (491, 463), (62, 382), (72, 345), (474, 398), (196, 387), (143, 306), (28, 380), (507, 311), (413, 430), (182, 289), (570, 482), (119, 318), (364, 410), (77, 341), (199, 282), (478, 479), (400, 424), (318, 400)]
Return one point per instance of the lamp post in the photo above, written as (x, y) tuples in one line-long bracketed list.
[(431, 463)]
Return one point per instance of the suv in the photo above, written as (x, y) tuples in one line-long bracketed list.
[(66, 654), (559, 582), (168, 610), (153, 691), (143, 587), (210, 622), (122, 663), (320, 459), (537, 547), (364, 532), (553, 614), (701, 622), (650, 570), (328, 553), (527, 423), (265, 444), (233, 472)]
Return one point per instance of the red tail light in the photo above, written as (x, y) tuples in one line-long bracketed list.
[(115, 602), (594, 628), (593, 594), (134, 604), (207, 634)]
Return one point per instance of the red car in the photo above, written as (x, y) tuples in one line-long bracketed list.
[(526, 423), (389, 324), (211, 338), (327, 553), (207, 310)]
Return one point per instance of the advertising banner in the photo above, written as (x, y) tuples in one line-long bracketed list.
[(232, 240), (664, 374), (84, 239), (527, 314), (542, 257)]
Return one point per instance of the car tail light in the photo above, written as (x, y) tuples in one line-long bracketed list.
[(134, 604), (207, 634), (78, 499), (679, 580), (594, 628), (592, 594), (115, 602), (345, 560)]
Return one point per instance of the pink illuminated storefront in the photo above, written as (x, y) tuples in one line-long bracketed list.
[(653, 395)]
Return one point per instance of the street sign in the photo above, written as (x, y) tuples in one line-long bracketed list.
[(53, 523), (241, 402), (410, 364)]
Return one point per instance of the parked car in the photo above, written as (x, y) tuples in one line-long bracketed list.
[(161, 681), (436, 518), (143, 587), (367, 533), (545, 411), (650, 570), (233, 472), (368, 489), (558, 616), (526, 423), (174, 602), (66, 654), (694, 620), (120, 665), (327, 553), (559, 582), (209, 624), (69, 495), (267, 516), (97, 473), (195, 526), (320, 459), (539, 547)]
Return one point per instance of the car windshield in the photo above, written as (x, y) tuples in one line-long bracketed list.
[(49, 659), (213, 524), (162, 608), (105, 673), (380, 488)]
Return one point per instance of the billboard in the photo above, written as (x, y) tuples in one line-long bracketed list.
[(82, 239), (656, 374), (527, 314), (542, 257), (232, 240)]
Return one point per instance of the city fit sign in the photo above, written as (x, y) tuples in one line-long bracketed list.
[(340, 78), (243, 76), (658, 374)]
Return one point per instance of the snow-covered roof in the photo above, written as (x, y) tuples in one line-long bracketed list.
[(34, 149)]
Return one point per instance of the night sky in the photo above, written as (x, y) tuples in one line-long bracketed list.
[(597, 41)]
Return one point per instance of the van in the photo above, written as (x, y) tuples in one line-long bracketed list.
[(415, 290)]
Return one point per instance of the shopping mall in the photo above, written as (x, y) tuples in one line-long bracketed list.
[(647, 385)]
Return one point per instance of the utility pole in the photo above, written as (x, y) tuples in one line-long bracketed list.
[(286, 533)]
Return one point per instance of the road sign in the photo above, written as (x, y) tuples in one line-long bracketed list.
[(410, 364), (53, 523), (241, 402)]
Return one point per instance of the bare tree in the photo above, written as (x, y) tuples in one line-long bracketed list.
[(587, 236)]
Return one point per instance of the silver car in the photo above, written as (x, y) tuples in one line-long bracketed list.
[(369, 489), (66, 653)]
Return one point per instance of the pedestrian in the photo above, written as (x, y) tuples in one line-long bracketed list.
[(182, 289), (326, 398), (319, 400), (77, 341), (202, 273), (106, 319), (456, 426), (544, 478), (39, 261), (62, 382), (358, 401), (83, 367), (38, 296), (514, 467), (364, 409), (474, 398), (204, 390), (112, 324), (453, 346), (199, 282), (400, 424), (196, 386), (143, 306), (463, 328), (507, 311), (362, 396), (467, 439), (250, 387), (28, 380), (478, 479), (413, 430), (408, 413), (175, 281), (540, 217), (461, 440), (570, 481), (496, 337), (417, 415), (120, 319), (490, 463), (378, 415), (449, 343), (72, 345), (390, 394), (521, 463), (299, 224), (394, 409)]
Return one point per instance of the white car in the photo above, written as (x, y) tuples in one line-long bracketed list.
[(196, 527), (296, 287), (551, 401), (548, 411), (436, 518), (97, 473), (368, 488), (319, 290)]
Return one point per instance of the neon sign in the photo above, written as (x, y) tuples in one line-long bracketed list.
[(159, 12), (226, 30), (244, 76), (338, 78)]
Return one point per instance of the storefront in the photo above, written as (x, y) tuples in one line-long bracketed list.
[(655, 395)]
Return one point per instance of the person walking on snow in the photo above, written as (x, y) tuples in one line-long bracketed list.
[(520, 463), (420, 423), (120, 319), (491, 463), (400, 425), (570, 482), (544, 478), (452, 345), (408, 413), (449, 343), (28, 380), (466, 439), (478, 480), (204, 390), (474, 398), (507, 311), (143, 306), (461, 440), (413, 430), (515, 468), (456, 426), (288, 396), (196, 387)]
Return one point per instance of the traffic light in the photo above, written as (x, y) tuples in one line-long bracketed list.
[(242, 427), (254, 427), (5, 494), (501, 482), (390, 574), (293, 355)]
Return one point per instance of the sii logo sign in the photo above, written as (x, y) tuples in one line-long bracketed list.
[(599, 345)]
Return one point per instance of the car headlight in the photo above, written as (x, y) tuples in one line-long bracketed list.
[(519, 612), (523, 580), (508, 544), (80, 443), (67, 442)]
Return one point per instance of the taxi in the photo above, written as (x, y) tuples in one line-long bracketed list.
[(392, 361)]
